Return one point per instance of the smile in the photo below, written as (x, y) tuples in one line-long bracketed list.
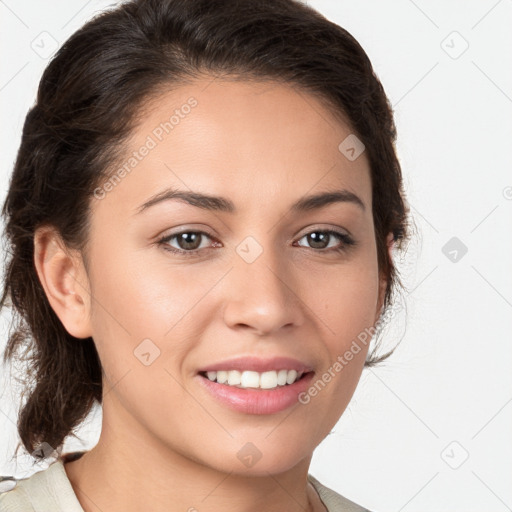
[(250, 379)]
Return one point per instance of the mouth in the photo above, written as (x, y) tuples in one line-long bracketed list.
[(255, 386), (254, 380)]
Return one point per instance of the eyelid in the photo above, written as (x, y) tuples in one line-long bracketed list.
[(334, 229), (186, 229), (170, 236)]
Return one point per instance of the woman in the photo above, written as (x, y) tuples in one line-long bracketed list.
[(201, 217)]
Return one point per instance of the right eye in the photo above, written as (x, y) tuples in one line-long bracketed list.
[(188, 242)]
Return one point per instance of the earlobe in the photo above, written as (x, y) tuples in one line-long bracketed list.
[(63, 278)]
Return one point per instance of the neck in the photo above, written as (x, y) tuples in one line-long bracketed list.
[(128, 470)]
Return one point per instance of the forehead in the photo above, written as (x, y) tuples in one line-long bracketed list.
[(255, 142)]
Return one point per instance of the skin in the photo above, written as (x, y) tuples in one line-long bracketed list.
[(263, 146)]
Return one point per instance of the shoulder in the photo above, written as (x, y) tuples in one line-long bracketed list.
[(49, 489), (333, 501)]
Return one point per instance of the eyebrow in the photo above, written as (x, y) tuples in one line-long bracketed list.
[(221, 204)]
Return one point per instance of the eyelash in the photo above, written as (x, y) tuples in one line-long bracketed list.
[(346, 240)]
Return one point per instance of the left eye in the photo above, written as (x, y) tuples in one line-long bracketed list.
[(319, 239)]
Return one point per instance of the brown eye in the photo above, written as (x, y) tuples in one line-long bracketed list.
[(320, 240), (186, 242), (189, 241)]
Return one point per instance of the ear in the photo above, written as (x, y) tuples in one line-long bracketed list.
[(383, 284), (64, 280)]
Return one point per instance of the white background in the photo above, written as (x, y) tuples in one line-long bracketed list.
[(446, 393)]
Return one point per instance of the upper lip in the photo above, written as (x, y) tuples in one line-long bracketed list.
[(256, 364)]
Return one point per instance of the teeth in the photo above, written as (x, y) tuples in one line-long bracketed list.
[(234, 378), (290, 378), (268, 380), (250, 379), (281, 377)]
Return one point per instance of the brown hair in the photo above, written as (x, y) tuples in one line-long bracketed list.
[(88, 101)]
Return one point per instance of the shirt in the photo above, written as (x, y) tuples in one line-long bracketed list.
[(50, 490)]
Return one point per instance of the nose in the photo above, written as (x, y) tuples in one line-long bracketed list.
[(262, 295)]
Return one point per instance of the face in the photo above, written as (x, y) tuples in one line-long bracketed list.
[(257, 288)]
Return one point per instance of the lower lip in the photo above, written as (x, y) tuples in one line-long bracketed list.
[(257, 401)]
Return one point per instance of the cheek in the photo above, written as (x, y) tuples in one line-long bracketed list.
[(140, 295), (344, 302), (345, 299), (141, 329), (137, 298), (345, 306)]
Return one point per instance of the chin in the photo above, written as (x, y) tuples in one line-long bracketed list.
[(262, 457)]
